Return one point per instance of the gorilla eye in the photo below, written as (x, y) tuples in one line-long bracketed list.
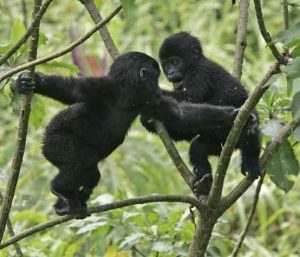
[(143, 73), (175, 62)]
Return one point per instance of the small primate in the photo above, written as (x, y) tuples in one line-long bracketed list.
[(198, 80), (100, 114)]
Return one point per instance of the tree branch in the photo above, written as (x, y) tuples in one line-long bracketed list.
[(61, 52), (285, 14), (103, 208), (104, 33), (234, 135), (241, 39), (11, 231), (176, 158), (266, 35), (22, 132), (28, 32)]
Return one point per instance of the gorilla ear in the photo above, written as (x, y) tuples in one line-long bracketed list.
[(143, 73), (196, 52)]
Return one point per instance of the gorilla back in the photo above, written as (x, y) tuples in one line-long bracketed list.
[(96, 122)]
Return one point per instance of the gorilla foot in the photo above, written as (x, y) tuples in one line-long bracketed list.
[(202, 186), (251, 168), (73, 207)]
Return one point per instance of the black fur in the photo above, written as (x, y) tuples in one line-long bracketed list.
[(197, 79), (96, 122)]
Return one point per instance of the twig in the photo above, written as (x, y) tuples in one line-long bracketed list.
[(103, 208), (28, 32), (63, 51), (104, 33), (24, 12), (268, 154), (163, 134), (285, 14), (176, 158), (11, 231), (22, 132), (265, 33), (234, 135), (241, 39)]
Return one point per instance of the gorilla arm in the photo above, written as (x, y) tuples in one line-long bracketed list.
[(189, 117), (67, 90)]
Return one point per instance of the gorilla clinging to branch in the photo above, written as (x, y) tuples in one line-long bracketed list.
[(96, 122), (197, 79)]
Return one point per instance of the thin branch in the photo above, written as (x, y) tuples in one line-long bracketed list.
[(241, 39), (286, 14), (11, 231), (267, 156), (163, 134), (234, 135), (24, 12), (22, 132), (104, 33), (176, 158), (103, 208), (28, 32), (266, 35), (63, 51)]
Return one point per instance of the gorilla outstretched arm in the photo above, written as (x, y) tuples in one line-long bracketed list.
[(68, 90), (191, 117)]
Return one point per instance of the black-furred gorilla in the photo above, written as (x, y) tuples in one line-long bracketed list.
[(96, 122), (101, 112), (197, 79)]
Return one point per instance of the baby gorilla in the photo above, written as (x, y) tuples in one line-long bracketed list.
[(198, 80), (96, 122)]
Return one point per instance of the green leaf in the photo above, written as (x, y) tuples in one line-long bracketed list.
[(296, 51), (161, 247), (112, 251), (91, 227), (290, 37), (296, 106), (17, 31), (293, 85), (293, 69), (132, 240), (282, 166), (127, 6), (272, 128)]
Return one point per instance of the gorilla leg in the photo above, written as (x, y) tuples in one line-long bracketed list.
[(249, 145), (77, 163), (92, 177), (199, 153)]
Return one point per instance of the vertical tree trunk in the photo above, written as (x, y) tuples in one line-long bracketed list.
[(204, 228)]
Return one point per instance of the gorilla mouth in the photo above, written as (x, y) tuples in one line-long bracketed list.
[(178, 85)]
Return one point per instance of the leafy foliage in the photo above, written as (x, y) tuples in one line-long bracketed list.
[(141, 166)]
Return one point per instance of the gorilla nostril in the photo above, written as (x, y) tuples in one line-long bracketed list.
[(171, 73)]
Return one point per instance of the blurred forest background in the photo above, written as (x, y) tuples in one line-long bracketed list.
[(141, 165)]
